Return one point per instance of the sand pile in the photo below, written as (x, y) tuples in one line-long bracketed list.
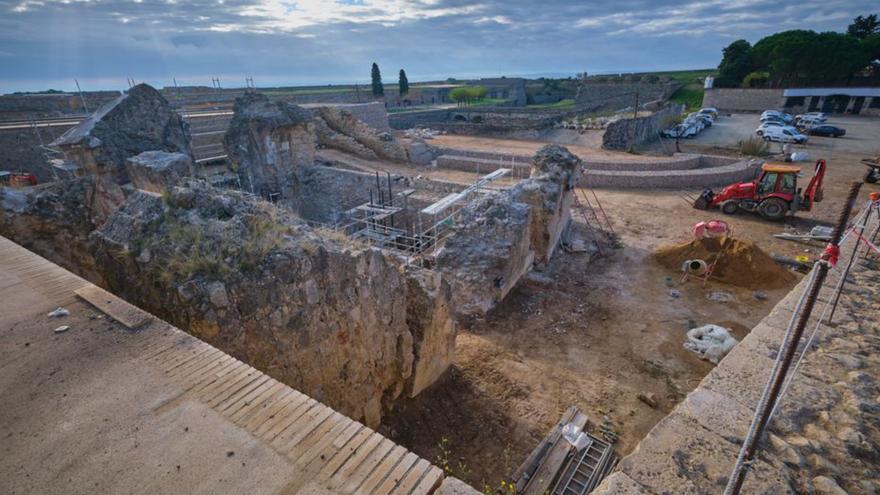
[(741, 263)]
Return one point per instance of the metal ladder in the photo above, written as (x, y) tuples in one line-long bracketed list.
[(586, 469)]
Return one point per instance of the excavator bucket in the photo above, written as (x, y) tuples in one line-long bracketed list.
[(705, 199)]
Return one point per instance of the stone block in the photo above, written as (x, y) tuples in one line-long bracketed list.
[(620, 484), (158, 171), (454, 486), (679, 456)]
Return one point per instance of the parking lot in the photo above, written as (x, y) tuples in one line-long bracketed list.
[(862, 134)]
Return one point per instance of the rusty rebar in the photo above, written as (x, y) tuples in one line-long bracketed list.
[(777, 379)]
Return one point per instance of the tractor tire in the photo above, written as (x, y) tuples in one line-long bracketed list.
[(773, 209), (729, 207)]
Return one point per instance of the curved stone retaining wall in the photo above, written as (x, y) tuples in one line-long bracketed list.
[(680, 170), (700, 177)]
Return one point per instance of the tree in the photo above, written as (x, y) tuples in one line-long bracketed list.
[(735, 63), (755, 79), (468, 94), (862, 27), (378, 89), (403, 83)]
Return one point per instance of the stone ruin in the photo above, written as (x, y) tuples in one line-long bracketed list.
[(352, 319)]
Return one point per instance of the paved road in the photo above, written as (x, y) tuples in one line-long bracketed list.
[(861, 134)]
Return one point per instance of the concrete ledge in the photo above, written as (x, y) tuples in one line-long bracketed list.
[(701, 177)]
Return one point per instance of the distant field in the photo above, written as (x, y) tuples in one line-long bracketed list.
[(567, 102), (691, 94)]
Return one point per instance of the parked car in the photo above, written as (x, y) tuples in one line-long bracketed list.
[(706, 119), (783, 135), (776, 115), (764, 125), (709, 111), (825, 130), (809, 120), (813, 114), (681, 131)]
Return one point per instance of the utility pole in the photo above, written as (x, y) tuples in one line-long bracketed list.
[(81, 97)]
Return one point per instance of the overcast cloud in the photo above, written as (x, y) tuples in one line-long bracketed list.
[(47, 43)]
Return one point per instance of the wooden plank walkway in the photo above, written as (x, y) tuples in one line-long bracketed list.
[(160, 377)]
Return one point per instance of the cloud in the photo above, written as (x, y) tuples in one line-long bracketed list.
[(321, 41)]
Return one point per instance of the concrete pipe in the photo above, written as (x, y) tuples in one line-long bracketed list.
[(695, 267)]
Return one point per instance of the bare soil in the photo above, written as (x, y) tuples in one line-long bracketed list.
[(595, 333)]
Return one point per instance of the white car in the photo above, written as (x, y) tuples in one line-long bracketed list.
[(680, 131), (783, 135), (697, 124), (764, 125), (709, 111), (774, 115), (810, 120)]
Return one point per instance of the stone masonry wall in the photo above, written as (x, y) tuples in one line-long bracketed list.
[(743, 100), (623, 133), (824, 437), (615, 96)]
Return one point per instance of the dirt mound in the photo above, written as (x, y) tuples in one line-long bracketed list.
[(741, 263)]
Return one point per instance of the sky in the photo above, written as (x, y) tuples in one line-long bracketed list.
[(101, 43)]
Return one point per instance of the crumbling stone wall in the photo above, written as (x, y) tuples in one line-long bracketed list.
[(625, 133), (549, 194), (356, 135), (338, 320), (140, 120), (54, 220), (499, 237), (266, 141)]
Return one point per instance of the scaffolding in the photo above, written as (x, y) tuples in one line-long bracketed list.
[(414, 234)]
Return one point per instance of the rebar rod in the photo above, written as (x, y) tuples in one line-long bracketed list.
[(771, 393), (852, 257)]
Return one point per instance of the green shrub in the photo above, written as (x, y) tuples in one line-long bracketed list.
[(756, 79)]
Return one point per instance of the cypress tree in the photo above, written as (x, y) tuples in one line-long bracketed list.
[(403, 82), (378, 89)]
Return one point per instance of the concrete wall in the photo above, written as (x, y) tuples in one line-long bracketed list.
[(626, 133), (743, 100)]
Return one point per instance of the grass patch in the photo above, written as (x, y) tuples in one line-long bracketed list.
[(487, 102), (690, 96), (691, 93), (567, 102)]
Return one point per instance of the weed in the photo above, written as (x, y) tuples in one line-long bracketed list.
[(754, 146)]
